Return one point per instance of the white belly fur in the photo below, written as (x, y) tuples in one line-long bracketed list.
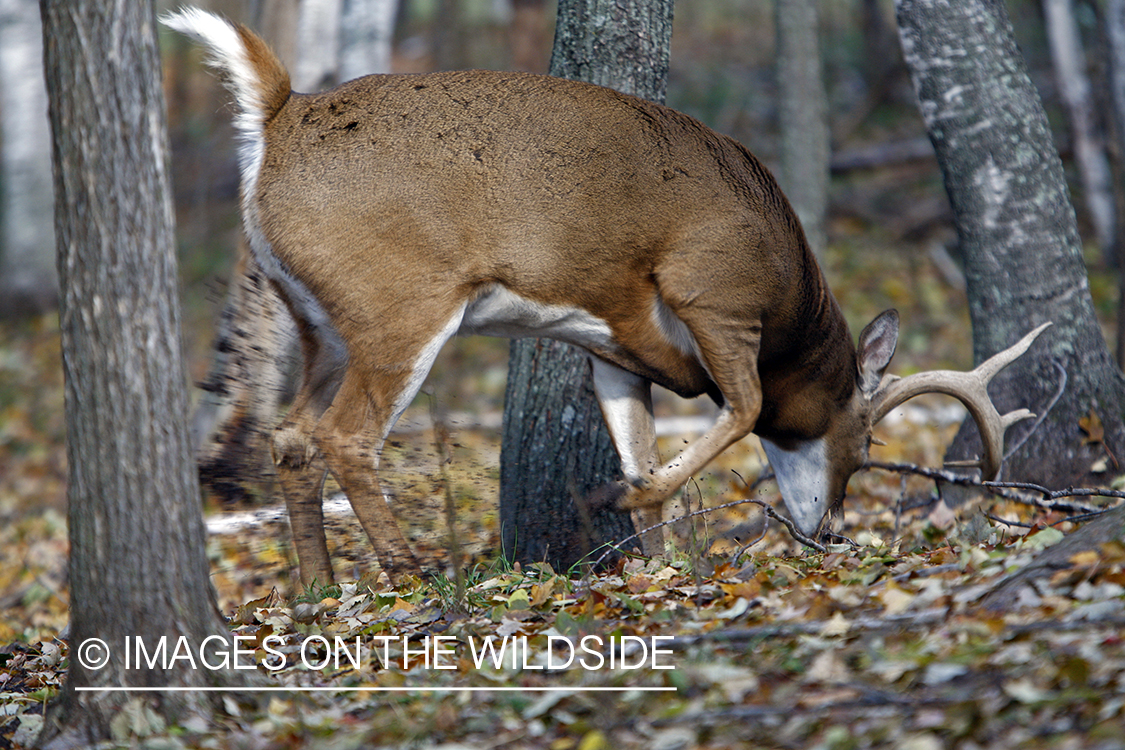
[(500, 312)]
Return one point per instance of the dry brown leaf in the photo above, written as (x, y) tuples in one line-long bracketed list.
[(1091, 424)]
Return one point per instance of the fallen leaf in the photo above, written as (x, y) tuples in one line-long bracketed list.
[(837, 624), (896, 601), (1091, 424)]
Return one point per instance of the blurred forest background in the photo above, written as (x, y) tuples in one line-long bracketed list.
[(888, 239)]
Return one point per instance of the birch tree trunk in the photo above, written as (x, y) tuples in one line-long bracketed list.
[(1115, 44), (28, 280), (1089, 146), (802, 116), (556, 448), (138, 568), (1018, 238), (366, 31), (318, 45)]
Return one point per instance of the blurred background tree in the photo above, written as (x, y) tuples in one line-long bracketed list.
[(28, 281)]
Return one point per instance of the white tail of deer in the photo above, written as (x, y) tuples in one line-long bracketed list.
[(395, 211)]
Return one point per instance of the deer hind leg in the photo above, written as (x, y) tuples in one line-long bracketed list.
[(381, 381), (300, 469)]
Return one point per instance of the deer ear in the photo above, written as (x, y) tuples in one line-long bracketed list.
[(876, 347)]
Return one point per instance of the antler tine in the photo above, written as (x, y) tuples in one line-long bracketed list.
[(971, 389)]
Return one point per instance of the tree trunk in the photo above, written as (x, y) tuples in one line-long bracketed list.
[(802, 116), (318, 45), (1089, 147), (138, 568), (1115, 45), (366, 32), (556, 447), (28, 280), (527, 34), (1018, 238)]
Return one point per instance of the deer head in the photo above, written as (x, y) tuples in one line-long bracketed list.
[(813, 474)]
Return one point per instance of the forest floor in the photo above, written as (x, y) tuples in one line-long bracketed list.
[(742, 638)]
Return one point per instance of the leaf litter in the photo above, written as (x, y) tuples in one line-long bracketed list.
[(880, 644)]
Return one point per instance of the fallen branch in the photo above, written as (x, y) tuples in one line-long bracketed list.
[(875, 625), (1049, 501)]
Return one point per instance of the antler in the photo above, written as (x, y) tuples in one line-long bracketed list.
[(971, 389)]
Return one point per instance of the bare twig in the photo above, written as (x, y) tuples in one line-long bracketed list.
[(1050, 498), (746, 547), (766, 508), (1049, 494), (1042, 412), (771, 513), (1006, 522)]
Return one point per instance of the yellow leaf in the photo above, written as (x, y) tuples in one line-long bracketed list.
[(1085, 559), (519, 600), (541, 592), (594, 740)]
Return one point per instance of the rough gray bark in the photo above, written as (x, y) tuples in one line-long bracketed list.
[(621, 46), (137, 562), (28, 281), (802, 116), (556, 447), (1017, 235), (1089, 147)]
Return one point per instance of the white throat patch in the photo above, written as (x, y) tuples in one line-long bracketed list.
[(802, 477)]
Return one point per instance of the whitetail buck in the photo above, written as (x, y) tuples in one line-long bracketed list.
[(395, 211)]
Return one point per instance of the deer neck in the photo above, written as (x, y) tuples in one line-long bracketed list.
[(811, 373)]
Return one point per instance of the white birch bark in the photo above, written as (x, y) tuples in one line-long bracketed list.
[(28, 278), (366, 32), (1089, 147), (318, 45), (802, 116)]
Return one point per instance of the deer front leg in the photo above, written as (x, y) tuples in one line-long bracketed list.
[(730, 355), (626, 403)]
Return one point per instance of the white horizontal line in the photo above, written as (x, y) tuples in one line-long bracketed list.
[(423, 689)]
